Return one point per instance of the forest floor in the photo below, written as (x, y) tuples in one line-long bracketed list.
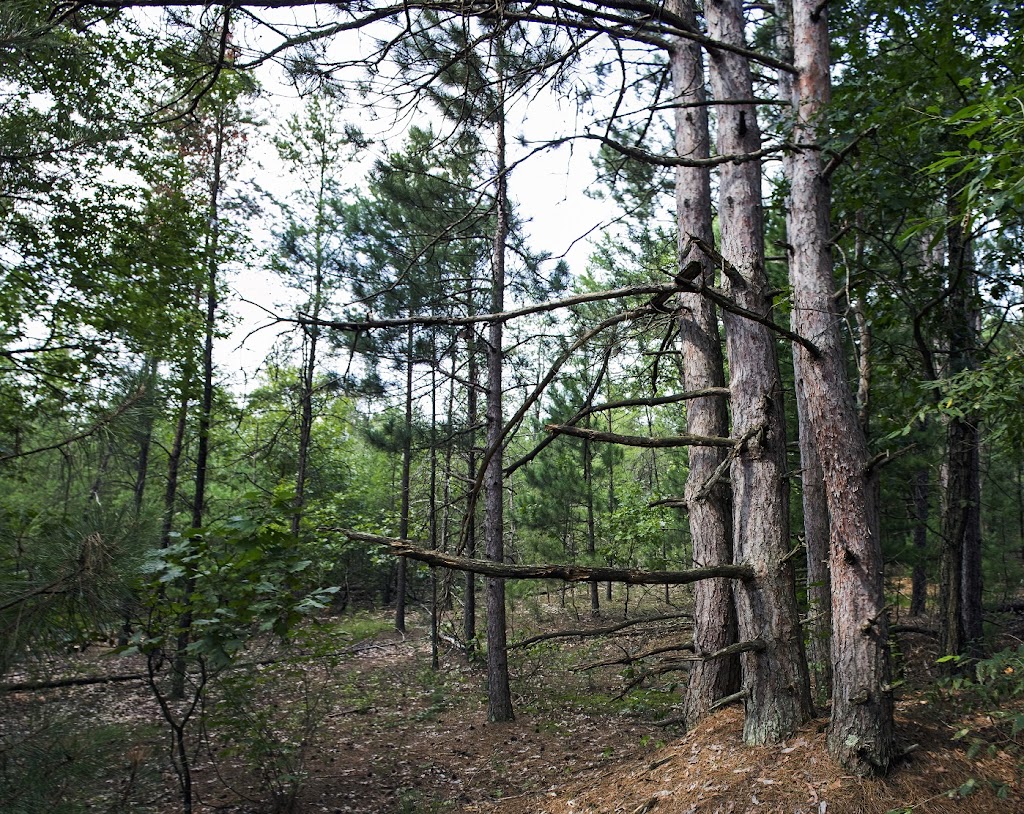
[(371, 728)]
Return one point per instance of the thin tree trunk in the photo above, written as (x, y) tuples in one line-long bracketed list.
[(145, 437), (434, 661), (708, 505), (919, 578), (861, 728), (588, 480), (312, 336), (775, 679), (469, 611), (206, 413), (499, 695), (403, 517), (816, 543), (961, 591)]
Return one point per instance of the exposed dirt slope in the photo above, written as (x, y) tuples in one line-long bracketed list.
[(710, 771)]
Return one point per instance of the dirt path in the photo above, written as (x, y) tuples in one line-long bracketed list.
[(372, 729)]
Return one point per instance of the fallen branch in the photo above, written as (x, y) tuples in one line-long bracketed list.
[(923, 631), (729, 699), (566, 573), (627, 660), (56, 683), (597, 631)]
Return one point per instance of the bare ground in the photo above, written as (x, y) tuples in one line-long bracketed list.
[(395, 736)]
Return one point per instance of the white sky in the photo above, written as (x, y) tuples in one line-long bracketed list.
[(548, 189)]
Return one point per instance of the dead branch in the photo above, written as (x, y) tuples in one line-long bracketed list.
[(99, 425), (884, 458), (504, 316), (597, 631), (920, 629), (56, 683), (627, 660), (729, 699), (642, 440), (566, 573), (755, 646)]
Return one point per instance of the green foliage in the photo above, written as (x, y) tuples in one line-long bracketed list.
[(995, 689), (234, 579)]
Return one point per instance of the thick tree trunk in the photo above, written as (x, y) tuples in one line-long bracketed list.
[(499, 696), (861, 729), (775, 679), (709, 509)]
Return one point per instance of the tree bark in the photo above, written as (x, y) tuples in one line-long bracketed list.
[(861, 729), (709, 510), (775, 679), (499, 696), (961, 588), (469, 611), (406, 482), (919, 577), (816, 545)]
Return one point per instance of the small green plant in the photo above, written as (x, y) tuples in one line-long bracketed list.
[(270, 718)]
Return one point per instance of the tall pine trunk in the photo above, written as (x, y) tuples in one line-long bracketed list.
[(775, 678), (499, 695), (861, 728), (708, 505), (961, 588)]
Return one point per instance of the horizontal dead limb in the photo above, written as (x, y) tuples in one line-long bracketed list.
[(729, 699), (754, 646), (566, 573), (371, 323), (627, 660), (660, 160), (642, 440), (598, 631), (100, 424), (657, 401), (884, 458), (83, 681), (920, 629)]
